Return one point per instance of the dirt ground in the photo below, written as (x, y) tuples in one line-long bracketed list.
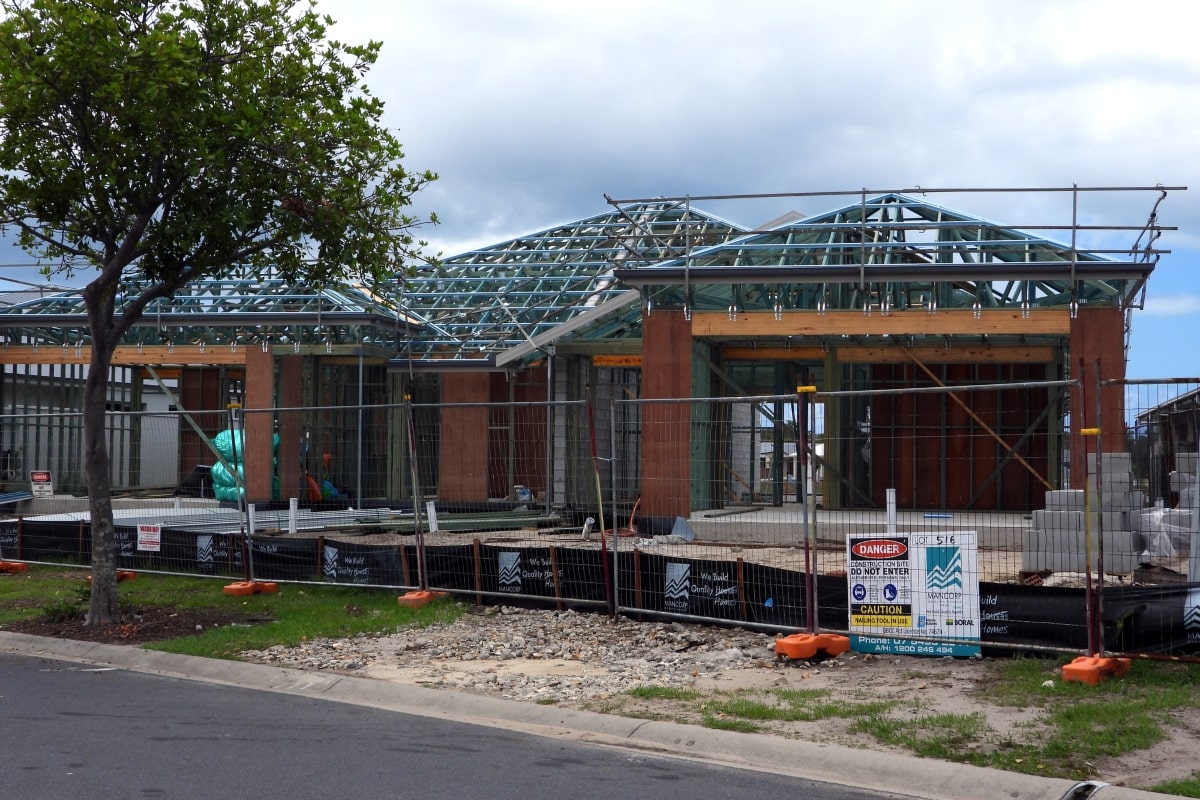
[(138, 626)]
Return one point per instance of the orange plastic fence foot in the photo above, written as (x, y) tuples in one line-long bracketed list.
[(418, 599), (244, 588), (13, 566), (805, 646), (122, 575), (1094, 669)]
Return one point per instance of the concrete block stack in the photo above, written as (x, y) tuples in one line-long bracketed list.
[(1167, 532), (1058, 542)]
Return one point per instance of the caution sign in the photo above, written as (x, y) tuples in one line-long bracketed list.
[(875, 615), (916, 584)]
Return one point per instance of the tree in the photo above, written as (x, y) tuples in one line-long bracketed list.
[(149, 143)]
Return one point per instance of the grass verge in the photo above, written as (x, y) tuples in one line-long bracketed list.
[(255, 622)]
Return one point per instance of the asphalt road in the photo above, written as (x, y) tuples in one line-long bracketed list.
[(70, 730)]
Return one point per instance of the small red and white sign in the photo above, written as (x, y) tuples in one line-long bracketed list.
[(149, 537), (879, 549), (41, 483)]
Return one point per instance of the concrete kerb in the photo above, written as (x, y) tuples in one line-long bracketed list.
[(885, 772)]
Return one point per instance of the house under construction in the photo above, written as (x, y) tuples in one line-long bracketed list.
[(655, 299)]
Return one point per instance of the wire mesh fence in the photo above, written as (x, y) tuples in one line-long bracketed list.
[(917, 513)]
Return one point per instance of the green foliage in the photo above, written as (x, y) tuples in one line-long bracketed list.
[(662, 693), (168, 139), (1185, 787), (47, 591), (792, 705), (933, 736), (299, 613), (291, 616), (729, 724), (156, 142)]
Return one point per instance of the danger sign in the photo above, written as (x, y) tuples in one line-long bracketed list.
[(41, 483), (149, 537)]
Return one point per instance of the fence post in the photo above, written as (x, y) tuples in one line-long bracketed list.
[(804, 404), (416, 494)]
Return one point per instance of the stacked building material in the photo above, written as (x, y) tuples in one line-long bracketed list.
[(1058, 538), (1164, 532)]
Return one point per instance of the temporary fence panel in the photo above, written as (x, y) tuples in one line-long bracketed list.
[(1148, 497), (508, 514), (712, 523), (929, 514), (918, 513)]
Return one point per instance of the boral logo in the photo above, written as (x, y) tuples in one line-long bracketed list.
[(509, 567), (943, 568), (879, 549), (677, 587), (330, 568), (204, 550), (1191, 614)]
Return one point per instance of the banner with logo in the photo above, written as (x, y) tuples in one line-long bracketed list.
[(919, 585)]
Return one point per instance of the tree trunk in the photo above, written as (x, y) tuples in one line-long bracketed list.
[(102, 605)]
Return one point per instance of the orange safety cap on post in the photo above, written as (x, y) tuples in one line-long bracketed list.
[(245, 588), (1093, 670), (805, 646), (13, 566), (418, 598)]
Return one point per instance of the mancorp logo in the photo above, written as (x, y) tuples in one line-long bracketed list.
[(879, 549), (330, 564), (204, 550), (677, 587), (509, 568), (213, 551), (943, 568), (1191, 614)]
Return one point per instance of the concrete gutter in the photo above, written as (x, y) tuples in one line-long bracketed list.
[(884, 772)]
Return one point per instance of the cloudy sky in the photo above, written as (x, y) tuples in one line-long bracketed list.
[(532, 111)]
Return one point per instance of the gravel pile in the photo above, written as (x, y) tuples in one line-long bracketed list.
[(522, 654)]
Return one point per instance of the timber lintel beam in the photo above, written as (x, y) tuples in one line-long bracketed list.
[(181, 355), (895, 354), (949, 322)]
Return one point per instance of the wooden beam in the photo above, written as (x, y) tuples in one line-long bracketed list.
[(737, 353), (125, 356), (617, 361), (992, 321), (177, 355), (959, 354), (894, 354)]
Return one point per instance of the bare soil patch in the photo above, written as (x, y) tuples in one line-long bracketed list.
[(138, 625)]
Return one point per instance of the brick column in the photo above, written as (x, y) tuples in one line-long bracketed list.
[(666, 427), (260, 426)]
